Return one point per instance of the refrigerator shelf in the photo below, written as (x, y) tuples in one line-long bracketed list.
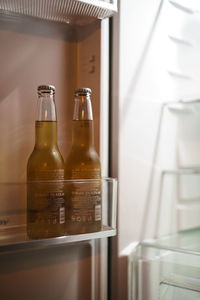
[(78, 12), (184, 106), (182, 171), (190, 7), (179, 198), (168, 268), (13, 210), (18, 241), (186, 241)]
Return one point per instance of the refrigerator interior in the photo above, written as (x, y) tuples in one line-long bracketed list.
[(156, 106), (68, 54)]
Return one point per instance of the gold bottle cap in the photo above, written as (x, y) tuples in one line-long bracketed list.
[(46, 89), (82, 91)]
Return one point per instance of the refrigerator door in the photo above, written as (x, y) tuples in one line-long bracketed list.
[(59, 273), (35, 51)]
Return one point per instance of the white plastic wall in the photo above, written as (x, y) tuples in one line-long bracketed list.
[(158, 56)]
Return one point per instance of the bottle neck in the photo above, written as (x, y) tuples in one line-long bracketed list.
[(46, 108), (46, 125), (83, 131), (45, 134)]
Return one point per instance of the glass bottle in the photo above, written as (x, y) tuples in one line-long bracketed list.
[(45, 200), (83, 209)]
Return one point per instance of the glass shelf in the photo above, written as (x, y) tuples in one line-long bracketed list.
[(78, 12), (13, 211), (179, 198), (169, 267), (187, 241), (187, 6), (186, 182), (184, 106)]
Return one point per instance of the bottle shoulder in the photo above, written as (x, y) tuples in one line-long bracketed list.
[(80, 155), (82, 164), (45, 157)]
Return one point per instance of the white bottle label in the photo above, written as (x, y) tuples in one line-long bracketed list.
[(98, 213), (62, 215)]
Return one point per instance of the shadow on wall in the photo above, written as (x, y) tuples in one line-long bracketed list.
[(173, 185), (24, 65)]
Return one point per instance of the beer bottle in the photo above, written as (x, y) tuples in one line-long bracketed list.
[(45, 200), (83, 209)]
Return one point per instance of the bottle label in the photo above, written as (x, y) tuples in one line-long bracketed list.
[(62, 215), (84, 199), (78, 173), (85, 203), (46, 201), (41, 175), (97, 212)]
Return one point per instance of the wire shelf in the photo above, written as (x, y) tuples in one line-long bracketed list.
[(65, 11)]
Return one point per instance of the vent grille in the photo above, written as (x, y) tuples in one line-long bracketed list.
[(65, 11)]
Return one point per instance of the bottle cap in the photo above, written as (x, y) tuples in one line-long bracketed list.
[(82, 91), (50, 89)]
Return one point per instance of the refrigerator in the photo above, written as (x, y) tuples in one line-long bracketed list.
[(155, 146), (141, 60), (65, 44)]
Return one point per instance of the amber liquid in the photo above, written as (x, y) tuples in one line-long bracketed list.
[(45, 201), (83, 201)]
